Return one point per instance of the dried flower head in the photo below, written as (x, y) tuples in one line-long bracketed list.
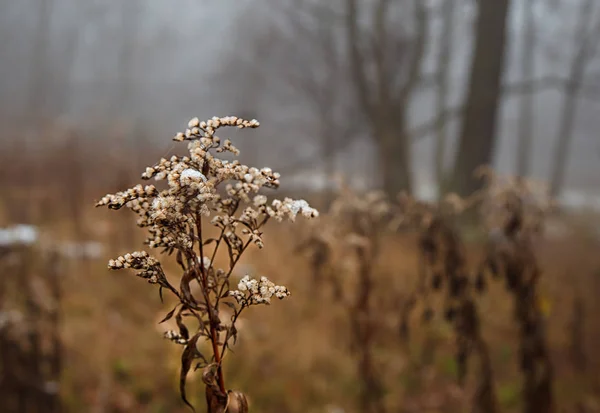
[(202, 188)]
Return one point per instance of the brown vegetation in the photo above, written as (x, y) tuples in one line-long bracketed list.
[(377, 269)]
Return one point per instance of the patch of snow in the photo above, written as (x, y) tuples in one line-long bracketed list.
[(18, 235)]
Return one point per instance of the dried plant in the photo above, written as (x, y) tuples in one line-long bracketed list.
[(30, 317), (348, 243), (443, 268), (317, 245), (578, 355), (200, 186), (514, 211)]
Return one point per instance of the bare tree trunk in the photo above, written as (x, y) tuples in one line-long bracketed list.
[(394, 161), (527, 101), (381, 100), (75, 180), (70, 51), (130, 18), (129, 25), (36, 97), (443, 81), (328, 148), (563, 146), (583, 40), (478, 134)]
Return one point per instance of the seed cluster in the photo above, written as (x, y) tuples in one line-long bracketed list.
[(252, 291), (175, 337), (139, 260), (192, 189)]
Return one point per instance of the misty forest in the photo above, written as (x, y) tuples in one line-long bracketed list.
[(341, 206)]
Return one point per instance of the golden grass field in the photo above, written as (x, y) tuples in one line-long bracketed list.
[(297, 356), (294, 357)]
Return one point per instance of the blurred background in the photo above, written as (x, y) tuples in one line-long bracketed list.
[(398, 95)]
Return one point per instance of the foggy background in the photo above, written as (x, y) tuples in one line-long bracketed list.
[(398, 95), (126, 75)]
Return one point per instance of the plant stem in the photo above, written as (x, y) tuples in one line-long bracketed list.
[(214, 339), (214, 336)]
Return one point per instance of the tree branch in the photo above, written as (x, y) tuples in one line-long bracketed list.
[(379, 44), (356, 57), (424, 130), (419, 43)]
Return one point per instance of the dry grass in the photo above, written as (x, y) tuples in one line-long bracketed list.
[(115, 360), (302, 356)]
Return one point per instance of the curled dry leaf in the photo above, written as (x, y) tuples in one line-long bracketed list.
[(216, 400), (236, 402), (187, 357)]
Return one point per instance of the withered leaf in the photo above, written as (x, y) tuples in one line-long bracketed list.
[(229, 246), (236, 402), (216, 400), (203, 364), (201, 356), (180, 259), (187, 357), (186, 279), (202, 326), (182, 328), (169, 315), (232, 333)]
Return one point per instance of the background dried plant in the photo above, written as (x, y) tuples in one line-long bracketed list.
[(394, 95), (349, 241), (443, 268), (514, 211), (111, 361), (31, 349), (344, 250)]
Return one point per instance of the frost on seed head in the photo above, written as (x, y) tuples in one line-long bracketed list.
[(301, 206), (192, 175)]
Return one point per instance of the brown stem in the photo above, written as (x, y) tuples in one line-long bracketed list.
[(235, 261), (200, 246), (225, 346), (213, 339), (233, 264), (370, 398), (213, 328)]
